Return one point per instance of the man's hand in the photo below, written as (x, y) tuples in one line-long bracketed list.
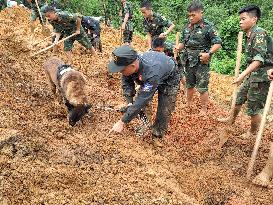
[(239, 80), (78, 32), (204, 58), (270, 74), (176, 49), (118, 127), (163, 35)]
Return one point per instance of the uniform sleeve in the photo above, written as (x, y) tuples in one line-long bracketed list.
[(166, 23), (259, 48), (214, 36), (128, 87), (144, 96)]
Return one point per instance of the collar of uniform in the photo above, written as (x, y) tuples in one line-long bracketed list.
[(200, 24), (251, 30)]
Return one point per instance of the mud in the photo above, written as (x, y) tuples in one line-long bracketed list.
[(45, 161)]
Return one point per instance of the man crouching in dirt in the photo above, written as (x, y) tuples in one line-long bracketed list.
[(67, 24), (92, 28), (255, 85), (68, 85), (263, 179), (154, 71)]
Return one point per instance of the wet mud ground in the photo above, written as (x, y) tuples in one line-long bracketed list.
[(45, 161)]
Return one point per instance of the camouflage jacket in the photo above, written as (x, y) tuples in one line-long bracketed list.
[(196, 38), (156, 25), (259, 47), (3, 4), (127, 8), (66, 23)]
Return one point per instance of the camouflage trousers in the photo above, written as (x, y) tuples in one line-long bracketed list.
[(82, 38), (128, 33), (166, 104), (255, 93), (198, 77)]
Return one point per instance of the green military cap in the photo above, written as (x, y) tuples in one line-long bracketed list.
[(122, 57)]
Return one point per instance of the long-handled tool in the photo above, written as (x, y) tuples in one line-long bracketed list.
[(121, 39), (224, 135), (237, 68), (36, 1), (51, 46), (177, 36), (45, 30), (35, 44), (260, 132)]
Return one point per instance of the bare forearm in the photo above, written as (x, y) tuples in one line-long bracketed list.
[(79, 23), (252, 67), (149, 40), (169, 30), (126, 18), (214, 48)]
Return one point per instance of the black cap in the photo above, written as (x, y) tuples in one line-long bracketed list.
[(122, 57)]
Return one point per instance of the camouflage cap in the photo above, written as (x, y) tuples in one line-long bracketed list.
[(122, 57)]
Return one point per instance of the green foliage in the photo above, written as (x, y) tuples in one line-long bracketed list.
[(224, 14)]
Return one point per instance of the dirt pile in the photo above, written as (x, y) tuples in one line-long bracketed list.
[(45, 161)]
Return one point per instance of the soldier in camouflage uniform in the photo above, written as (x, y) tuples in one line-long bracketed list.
[(66, 23), (154, 23), (162, 45), (127, 23), (92, 28), (259, 56), (199, 40)]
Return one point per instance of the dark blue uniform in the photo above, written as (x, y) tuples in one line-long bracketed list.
[(92, 28), (157, 72)]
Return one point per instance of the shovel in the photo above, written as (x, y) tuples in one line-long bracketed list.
[(260, 132), (224, 135), (45, 30), (51, 46)]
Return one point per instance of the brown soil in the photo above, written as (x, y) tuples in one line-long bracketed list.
[(45, 161)]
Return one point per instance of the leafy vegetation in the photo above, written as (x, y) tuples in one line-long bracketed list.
[(224, 14)]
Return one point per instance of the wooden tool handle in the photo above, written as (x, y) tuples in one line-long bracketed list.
[(51, 46), (35, 44), (177, 36), (237, 67), (260, 132), (36, 1)]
